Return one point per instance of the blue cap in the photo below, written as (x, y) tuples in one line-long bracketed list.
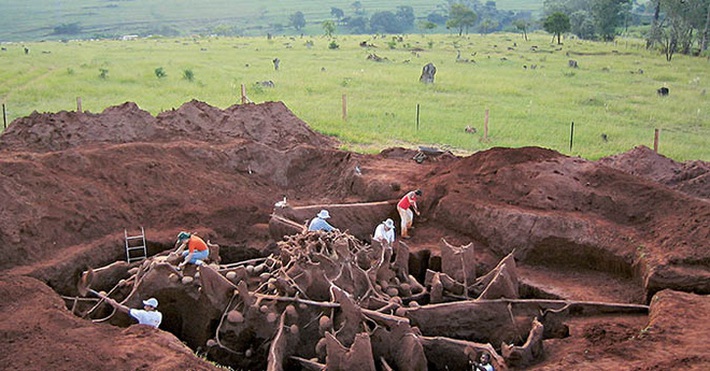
[(183, 236)]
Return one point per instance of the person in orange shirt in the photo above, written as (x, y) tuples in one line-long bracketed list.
[(197, 250), (405, 207)]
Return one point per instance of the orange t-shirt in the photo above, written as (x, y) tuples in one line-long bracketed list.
[(196, 243)]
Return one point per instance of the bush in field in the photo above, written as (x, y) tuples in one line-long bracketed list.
[(160, 72), (188, 75), (103, 73), (333, 45)]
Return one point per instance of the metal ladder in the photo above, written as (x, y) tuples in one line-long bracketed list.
[(135, 246)]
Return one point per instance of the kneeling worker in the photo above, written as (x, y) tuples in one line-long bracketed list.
[(197, 250), (319, 223), (384, 233)]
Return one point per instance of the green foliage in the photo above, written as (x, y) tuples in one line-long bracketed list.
[(557, 23), (461, 17), (297, 20), (333, 45), (188, 75), (607, 16), (385, 22), (328, 28), (103, 73), (67, 29), (160, 72), (612, 92)]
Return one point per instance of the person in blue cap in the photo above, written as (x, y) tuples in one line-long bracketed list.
[(197, 250), (149, 315), (319, 223)]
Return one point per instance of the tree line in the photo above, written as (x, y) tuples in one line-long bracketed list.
[(459, 16), (670, 25)]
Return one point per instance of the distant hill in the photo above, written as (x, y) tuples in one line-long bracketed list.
[(35, 20)]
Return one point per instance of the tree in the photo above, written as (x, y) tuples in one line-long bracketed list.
[(522, 26), (655, 33), (556, 23), (607, 16), (385, 22), (328, 28), (437, 18), (582, 24), (297, 20), (356, 24), (461, 17), (67, 29), (706, 31), (487, 25), (405, 15), (337, 13), (357, 7), (426, 25)]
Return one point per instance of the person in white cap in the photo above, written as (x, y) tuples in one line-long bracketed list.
[(384, 233), (149, 315), (319, 223)]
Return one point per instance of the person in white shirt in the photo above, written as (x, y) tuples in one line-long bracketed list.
[(484, 364), (149, 315), (384, 233)]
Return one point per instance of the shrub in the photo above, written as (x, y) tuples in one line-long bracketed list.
[(103, 73), (188, 75), (160, 72)]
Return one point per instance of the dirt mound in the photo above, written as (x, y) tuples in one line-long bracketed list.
[(71, 183), (43, 335), (692, 177), (271, 124)]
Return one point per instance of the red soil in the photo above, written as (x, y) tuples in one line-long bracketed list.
[(632, 228)]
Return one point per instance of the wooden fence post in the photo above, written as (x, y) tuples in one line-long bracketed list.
[(4, 117), (417, 116), (656, 136), (78, 105), (571, 135), (485, 125), (244, 94), (345, 107)]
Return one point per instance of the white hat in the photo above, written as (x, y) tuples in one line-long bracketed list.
[(389, 223), (323, 214), (153, 302)]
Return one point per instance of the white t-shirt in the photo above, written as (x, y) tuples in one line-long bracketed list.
[(382, 235), (144, 317)]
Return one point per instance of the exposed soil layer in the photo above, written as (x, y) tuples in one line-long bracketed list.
[(628, 229)]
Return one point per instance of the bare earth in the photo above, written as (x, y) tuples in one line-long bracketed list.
[(629, 229)]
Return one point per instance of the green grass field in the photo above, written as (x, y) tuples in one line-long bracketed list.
[(613, 91), (27, 20)]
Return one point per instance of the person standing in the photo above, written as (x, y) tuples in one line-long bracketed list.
[(319, 223), (197, 250), (149, 315), (384, 233), (405, 206)]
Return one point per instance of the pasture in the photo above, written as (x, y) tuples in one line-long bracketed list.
[(26, 20), (531, 93)]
